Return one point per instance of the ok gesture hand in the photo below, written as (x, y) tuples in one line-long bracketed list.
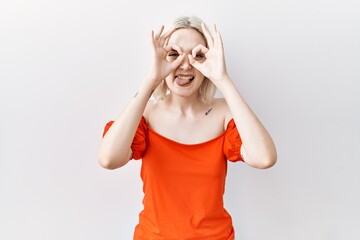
[(213, 67), (160, 67)]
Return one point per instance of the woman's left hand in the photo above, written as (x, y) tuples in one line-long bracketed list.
[(213, 65)]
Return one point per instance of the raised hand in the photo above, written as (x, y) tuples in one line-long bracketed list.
[(213, 66), (160, 67)]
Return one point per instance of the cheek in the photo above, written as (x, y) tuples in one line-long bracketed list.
[(199, 75), (170, 76), (170, 59), (169, 79)]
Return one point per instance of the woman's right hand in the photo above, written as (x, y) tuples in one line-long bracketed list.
[(160, 66)]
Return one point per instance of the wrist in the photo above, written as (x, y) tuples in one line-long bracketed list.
[(146, 88), (224, 84), (149, 83)]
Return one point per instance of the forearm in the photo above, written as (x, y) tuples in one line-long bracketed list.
[(258, 147), (115, 146)]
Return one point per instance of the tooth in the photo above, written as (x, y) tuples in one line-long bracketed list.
[(183, 77)]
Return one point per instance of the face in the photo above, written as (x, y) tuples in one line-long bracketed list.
[(185, 80)]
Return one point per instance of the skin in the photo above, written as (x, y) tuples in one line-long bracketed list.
[(180, 114)]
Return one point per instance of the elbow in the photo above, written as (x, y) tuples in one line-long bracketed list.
[(110, 163), (264, 162), (106, 164), (267, 163), (268, 159)]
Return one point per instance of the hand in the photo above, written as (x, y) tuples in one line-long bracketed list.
[(213, 67), (160, 67)]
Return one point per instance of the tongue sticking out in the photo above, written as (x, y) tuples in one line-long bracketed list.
[(182, 81)]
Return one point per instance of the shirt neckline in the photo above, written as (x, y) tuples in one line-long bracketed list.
[(188, 144)]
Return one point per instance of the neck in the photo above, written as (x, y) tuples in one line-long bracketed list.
[(185, 106)]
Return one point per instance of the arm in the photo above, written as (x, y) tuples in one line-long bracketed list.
[(258, 148), (115, 147), (114, 151)]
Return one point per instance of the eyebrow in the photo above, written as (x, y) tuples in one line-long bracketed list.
[(182, 50), (175, 49)]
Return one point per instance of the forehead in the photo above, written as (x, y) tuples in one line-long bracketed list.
[(186, 38)]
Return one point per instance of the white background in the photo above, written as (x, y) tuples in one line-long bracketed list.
[(67, 67)]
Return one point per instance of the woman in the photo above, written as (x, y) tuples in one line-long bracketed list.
[(185, 136)]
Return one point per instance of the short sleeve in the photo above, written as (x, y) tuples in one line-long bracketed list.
[(139, 142), (232, 143)]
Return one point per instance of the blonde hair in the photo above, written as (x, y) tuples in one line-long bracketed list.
[(207, 89)]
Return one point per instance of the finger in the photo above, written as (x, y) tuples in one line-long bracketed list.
[(191, 59), (208, 36), (194, 63), (216, 39), (152, 36), (220, 41), (166, 35), (175, 47), (159, 33), (152, 41), (176, 63), (199, 48)]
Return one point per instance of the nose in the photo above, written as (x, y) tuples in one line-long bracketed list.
[(185, 65)]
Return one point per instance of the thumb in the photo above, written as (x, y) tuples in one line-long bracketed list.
[(178, 61), (193, 62)]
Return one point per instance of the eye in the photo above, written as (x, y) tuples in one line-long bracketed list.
[(199, 56), (173, 54)]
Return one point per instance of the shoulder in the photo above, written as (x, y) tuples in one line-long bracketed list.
[(220, 102), (153, 109), (222, 108)]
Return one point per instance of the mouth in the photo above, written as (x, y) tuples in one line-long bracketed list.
[(184, 80)]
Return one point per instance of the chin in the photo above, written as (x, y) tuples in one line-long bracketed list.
[(184, 91)]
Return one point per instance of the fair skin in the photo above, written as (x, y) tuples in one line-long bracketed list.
[(182, 116)]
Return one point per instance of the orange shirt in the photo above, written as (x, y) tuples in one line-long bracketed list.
[(183, 185)]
